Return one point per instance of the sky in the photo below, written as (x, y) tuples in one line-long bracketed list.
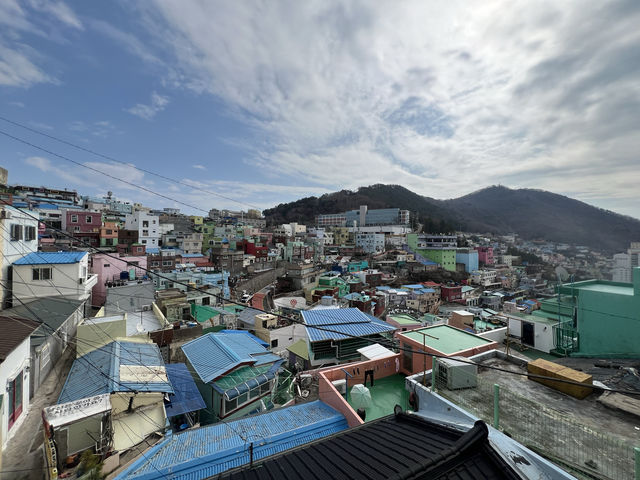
[(265, 102)]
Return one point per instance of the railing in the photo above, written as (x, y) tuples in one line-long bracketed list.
[(585, 451)]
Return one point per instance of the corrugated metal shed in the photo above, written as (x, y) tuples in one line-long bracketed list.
[(98, 371), (207, 451), (186, 397), (215, 354), (344, 322), (46, 258)]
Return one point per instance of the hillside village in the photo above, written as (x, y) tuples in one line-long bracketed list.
[(148, 343)]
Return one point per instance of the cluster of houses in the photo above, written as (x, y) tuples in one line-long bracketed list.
[(170, 375)]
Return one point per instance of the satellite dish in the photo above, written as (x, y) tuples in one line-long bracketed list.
[(562, 273)]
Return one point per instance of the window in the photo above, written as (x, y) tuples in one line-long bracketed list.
[(265, 387), (109, 232), (74, 218), (206, 301), (43, 273), (30, 233), (89, 219), (155, 264), (76, 229), (255, 392), (242, 398), (230, 405), (106, 265), (144, 242), (145, 223), (16, 232), (274, 343), (167, 263), (138, 249), (145, 233), (264, 324)]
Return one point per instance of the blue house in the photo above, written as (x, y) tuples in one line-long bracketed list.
[(234, 373), (332, 341)]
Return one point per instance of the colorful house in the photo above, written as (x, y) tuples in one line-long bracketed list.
[(234, 373)]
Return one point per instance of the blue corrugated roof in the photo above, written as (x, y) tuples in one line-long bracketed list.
[(191, 255), (186, 397), (345, 322), (44, 258), (215, 354), (98, 371), (211, 450), (244, 332)]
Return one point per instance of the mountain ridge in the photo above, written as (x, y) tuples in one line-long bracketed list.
[(530, 213)]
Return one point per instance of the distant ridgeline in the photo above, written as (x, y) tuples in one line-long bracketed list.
[(532, 214)]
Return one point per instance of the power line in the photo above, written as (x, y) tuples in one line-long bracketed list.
[(112, 159), (324, 328), (80, 164)]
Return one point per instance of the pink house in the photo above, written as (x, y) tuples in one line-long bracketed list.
[(485, 255), (110, 269)]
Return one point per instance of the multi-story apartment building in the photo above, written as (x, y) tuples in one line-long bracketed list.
[(109, 234), (623, 264), (437, 248), (485, 255), (83, 226), (146, 225), (370, 242), (364, 216)]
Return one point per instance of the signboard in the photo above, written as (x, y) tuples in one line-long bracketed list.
[(70, 412)]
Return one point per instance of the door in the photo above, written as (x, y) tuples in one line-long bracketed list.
[(15, 399), (527, 333)]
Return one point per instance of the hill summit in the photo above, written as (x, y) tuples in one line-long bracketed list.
[(532, 214)]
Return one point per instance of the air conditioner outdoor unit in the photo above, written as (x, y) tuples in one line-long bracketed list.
[(146, 308), (341, 386), (5, 214), (456, 374)]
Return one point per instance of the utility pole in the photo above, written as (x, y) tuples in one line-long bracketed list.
[(424, 354)]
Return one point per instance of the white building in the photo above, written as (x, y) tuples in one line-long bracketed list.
[(52, 274), (622, 269), (14, 374), (370, 242), (147, 225), (18, 237), (483, 277)]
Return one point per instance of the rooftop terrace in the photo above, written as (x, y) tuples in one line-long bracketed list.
[(587, 438), (446, 339), (386, 393)]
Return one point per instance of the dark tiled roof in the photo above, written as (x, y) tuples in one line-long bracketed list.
[(400, 446), (14, 331)]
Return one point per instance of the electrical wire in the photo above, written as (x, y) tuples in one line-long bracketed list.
[(324, 328), (112, 159)]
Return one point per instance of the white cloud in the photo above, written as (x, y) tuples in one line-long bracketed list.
[(60, 11), (199, 167), (442, 98), (20, 65), (17, 104), (147, 112)]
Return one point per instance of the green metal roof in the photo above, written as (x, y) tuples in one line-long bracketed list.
[(300, 349), (404, 319), (240, 376), (446, 339)]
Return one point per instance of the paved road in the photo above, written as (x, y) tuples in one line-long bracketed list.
[(23, 458)]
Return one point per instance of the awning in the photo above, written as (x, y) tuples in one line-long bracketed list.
[(186, 398)]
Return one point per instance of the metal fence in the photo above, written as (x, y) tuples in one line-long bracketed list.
[(580, 449)]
